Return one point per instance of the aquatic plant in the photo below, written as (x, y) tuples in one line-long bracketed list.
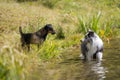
[(81, 26), (103, 29)]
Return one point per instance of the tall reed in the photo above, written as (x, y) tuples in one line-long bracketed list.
[(94, 23)]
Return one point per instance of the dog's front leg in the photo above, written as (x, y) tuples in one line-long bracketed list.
[(99, 56), (82, 56), (28, 47), (88, 56), (23, 44), (38, 46)]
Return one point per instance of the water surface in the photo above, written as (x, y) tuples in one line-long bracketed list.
[(73, 68)]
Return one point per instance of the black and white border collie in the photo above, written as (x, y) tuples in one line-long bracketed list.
[(91, 47)]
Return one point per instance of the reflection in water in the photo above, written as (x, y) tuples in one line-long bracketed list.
[(99, 70)]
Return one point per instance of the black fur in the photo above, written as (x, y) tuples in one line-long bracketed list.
[(89, 35), (37, 37), (98, 50)]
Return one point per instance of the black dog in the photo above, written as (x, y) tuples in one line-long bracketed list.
[(37, 37)]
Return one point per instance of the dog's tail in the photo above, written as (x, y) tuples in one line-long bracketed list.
[(20, 30)]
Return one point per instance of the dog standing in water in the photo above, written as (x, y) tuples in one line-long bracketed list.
[(92, 47)]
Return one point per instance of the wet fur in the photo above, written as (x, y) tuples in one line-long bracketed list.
[(92, 47)]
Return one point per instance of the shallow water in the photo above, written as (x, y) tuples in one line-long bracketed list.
[(73, 68)]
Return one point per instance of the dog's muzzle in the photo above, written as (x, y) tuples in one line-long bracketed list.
[(53, 32)]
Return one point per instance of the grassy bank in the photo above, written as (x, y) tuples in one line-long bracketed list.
[(71, 19)]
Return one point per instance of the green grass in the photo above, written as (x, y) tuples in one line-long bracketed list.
[(59, 33), (71, 20)]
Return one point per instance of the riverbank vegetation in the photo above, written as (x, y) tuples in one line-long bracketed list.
[(71, 20)]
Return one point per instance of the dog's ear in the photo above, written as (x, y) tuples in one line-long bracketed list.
[(20, 30), (89, 30), (48, 26)]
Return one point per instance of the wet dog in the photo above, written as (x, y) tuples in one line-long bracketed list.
[(37, 37), (92, 47)]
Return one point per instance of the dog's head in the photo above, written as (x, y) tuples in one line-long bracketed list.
[(89, 34), (49, 28)]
